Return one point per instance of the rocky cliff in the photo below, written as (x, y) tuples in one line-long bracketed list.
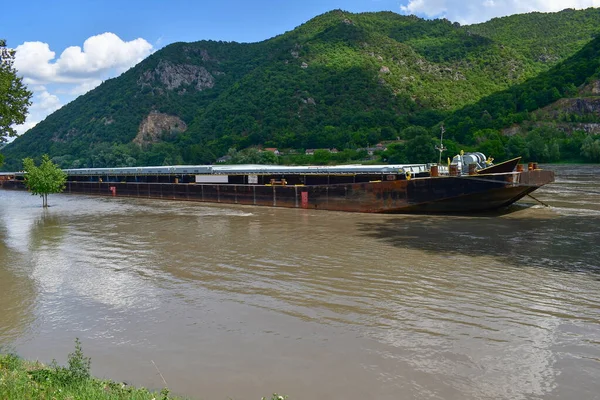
[(156, 126)]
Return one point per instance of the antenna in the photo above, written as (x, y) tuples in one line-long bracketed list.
[(441, 147)]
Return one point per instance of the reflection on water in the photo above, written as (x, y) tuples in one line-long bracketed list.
[(17, 294), (543, 241), (242, 301)]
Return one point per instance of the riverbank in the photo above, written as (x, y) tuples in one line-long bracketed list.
[(22, 379)]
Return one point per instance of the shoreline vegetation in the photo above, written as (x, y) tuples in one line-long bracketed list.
[(24, 380)]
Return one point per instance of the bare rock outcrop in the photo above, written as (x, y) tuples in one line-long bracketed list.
[(591, 89), (595, 87), (157, 125), (174, 76), (578, 106)]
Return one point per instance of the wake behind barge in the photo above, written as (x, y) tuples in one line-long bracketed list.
[(424, 188)]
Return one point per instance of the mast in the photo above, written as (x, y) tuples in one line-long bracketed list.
[(441, 147)]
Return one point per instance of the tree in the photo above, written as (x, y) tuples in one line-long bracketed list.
[(321, 157), (45, 179), (590, 149), (14, 96), (395, 154), (421, 149), (517, 147), (493, 148), (413, 131), (267, 157), (538, 148)]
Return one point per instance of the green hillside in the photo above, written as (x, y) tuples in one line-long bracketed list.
[(543, 37), (340, 80)]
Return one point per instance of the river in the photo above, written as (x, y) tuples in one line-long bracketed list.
[(240, 301)]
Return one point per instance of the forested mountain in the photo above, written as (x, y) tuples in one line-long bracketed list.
[(342, 80), (543, 37)]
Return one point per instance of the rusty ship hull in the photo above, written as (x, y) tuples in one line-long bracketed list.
[(391, 193), (439, 195)]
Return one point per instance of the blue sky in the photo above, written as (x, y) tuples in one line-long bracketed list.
[(66, 47), (68, 22)]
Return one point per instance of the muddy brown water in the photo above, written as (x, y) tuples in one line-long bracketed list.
[(236, 301)]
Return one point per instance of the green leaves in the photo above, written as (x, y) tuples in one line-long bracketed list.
[(45, 179), (14, 96), (590, 149)]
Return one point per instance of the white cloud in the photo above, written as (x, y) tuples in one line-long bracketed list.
[(468, 12), (429, 8), (21, 129), (100, 54), (46, 102), (32, 60), (84, 87), (77, 70)]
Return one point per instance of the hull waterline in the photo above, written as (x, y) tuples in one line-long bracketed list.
[(426, 194)]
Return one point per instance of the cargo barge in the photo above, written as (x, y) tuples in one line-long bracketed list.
[(468, 184)]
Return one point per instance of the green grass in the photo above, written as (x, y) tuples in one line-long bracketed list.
[(27, 380), (21, 379)]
